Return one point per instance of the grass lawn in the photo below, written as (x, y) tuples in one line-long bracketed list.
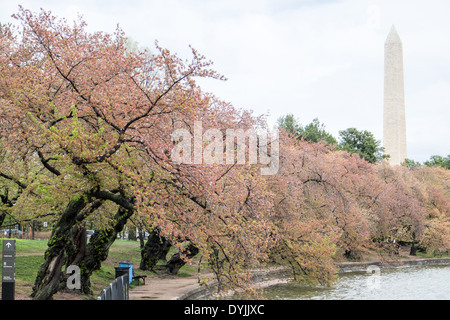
[(30, 255)]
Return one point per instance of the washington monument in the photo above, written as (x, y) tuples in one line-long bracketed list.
[(394, 124)]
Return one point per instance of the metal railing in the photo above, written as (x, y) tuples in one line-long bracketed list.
[(117, 290)]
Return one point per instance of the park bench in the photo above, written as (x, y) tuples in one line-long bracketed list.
[(139, 277)]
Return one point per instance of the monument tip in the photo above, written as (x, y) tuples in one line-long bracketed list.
[(393, 36)]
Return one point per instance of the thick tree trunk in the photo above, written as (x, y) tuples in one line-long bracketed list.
[(77, 250), (98, 248), (413, 250), (49, 275), (4, 201), (179, 259), (2, 218), (155, 249)]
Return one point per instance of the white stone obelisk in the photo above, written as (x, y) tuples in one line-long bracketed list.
[(394, 123)]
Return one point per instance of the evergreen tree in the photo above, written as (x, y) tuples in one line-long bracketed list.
[(361, 142), (314, 132)]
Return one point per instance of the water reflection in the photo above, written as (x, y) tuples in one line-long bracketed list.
[(412, 283)]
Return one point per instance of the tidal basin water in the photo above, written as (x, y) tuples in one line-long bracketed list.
[(408, 283)]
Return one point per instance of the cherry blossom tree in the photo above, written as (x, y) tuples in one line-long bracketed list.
[(99, 119)]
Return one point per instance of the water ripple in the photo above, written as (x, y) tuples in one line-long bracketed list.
[(412, 283)]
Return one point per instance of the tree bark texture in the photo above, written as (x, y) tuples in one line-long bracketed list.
[(155, 249), (98, 248), (178, 260), (49, 275)]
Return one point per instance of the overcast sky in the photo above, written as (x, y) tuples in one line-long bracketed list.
[(320, 58)]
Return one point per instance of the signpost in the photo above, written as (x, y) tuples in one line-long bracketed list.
[(8, 269)]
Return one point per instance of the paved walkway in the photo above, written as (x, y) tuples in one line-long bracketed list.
[(170, 288)]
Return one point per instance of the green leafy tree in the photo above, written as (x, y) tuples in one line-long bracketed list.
[(411, 164), (438, 161), (314, 131), (362, 143), (290, 124)]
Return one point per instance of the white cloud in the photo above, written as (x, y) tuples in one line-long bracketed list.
[(312, 58)]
